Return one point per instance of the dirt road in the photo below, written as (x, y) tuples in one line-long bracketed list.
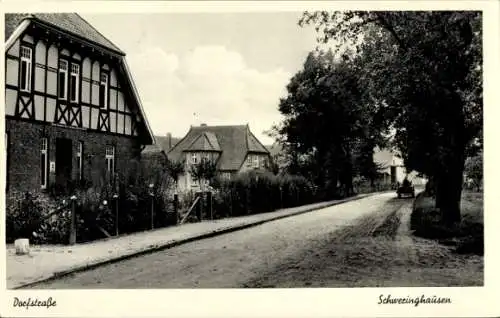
[(360, 243)]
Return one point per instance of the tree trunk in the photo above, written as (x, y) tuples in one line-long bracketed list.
[(449, 189)]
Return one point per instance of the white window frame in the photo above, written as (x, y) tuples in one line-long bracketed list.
[(65, 71), (255, 161), (44, 160), (26, 56), (110, 160), (249, 159), (79, 157), (75, 72), (194, 158), (104, 83)]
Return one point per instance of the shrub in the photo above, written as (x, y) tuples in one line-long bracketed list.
[(25, 218), (260, 191)]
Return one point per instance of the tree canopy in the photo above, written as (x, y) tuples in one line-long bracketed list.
[(418, 73)]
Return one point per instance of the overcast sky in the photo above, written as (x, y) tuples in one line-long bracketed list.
[(213, 68)]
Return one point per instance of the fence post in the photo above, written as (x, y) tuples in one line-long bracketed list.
[(151, 194), (115, 199), (209, 204), (176, 207), (199, 205), (281, 197), (72, 230), (231, 202)]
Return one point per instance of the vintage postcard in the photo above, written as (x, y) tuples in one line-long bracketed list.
[(249, 159)]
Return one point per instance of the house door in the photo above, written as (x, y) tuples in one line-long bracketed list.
[(393, 174), (64, 165)]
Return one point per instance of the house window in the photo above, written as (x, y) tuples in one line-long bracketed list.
[(249, 160), (110, 160), (74, 82), (206, 157), (79, 159), (43, 163), (226, 175), (63, 79), (194, 158), (255, 161), (25, 72), (103, 91)]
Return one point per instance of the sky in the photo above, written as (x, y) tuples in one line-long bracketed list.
[(212, 68)]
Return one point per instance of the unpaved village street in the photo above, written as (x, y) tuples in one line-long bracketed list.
[(361, 243)]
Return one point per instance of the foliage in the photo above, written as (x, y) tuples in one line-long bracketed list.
[(147, 186), (474, 170), (175, 169), (330, 128), (423, 71), (258, 191), (206, 170), (25, 218)]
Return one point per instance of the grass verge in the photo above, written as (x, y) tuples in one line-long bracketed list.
[(467, 236)]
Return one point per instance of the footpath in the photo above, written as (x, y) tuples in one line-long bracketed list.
[(48, 262)]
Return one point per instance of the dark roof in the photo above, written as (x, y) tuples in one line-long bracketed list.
[(69, 22), (234, 142), (162, 144)]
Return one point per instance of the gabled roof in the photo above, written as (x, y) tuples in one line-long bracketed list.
[(74, 26), (206, 141), (71, 23), (234, 143)]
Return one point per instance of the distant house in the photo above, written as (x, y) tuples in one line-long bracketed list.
[(72, 111), (158, 151), (233, 149), (393, 169)]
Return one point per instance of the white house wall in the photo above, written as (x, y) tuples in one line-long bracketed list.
[(45, 62)]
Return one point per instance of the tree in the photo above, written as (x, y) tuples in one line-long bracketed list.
[(206, 170), (326, 118), (423, 70), (175, 169)]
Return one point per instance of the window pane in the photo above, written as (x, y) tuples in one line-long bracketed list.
[(43, 171), (73, 87), (101, 95), (24, 67), (62, 86)]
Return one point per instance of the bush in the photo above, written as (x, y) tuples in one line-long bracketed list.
[(95, 208), (25, 213), (260, 191)]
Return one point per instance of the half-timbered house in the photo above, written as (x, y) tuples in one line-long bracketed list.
[(72, 111)]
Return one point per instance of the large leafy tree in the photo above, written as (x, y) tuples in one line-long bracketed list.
[(423, 69), (327, 123)]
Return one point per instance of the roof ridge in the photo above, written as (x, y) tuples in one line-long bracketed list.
[(208, 139), (251, 133), (212, 126), (181, 140), (194, 140)]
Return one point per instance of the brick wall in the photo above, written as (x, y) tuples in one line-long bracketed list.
[(24, 161)]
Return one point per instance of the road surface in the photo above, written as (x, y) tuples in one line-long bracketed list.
[(359, 243)]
